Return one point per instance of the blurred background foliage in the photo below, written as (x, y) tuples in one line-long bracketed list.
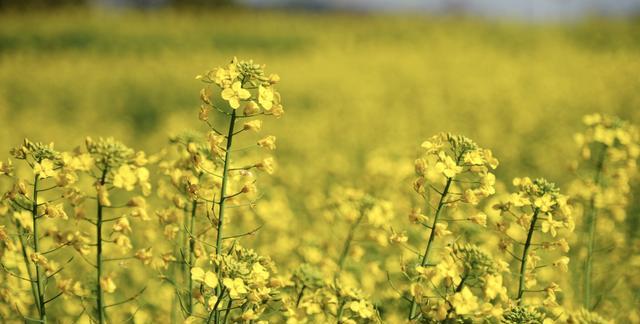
[(354, 83)]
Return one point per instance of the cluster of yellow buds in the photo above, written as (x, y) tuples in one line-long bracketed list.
[(244, 82), (459, 164), (466, 284), (243, 278), (537, 207)]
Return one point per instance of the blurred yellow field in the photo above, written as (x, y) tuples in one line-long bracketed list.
[(371, 209)]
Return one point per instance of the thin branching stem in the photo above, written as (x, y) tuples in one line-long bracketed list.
[(525, 252), (591, 223), (99, 221), (36, 248), (192, 245), (27, 264), (432, 234), (223, 188), (347, 242)]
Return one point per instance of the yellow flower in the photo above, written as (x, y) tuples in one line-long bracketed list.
[(562, 263), (473, 157), (251, 108), (398, 237), (464, 302), (44, 169), (24, 218), (55, 211), (544, 203), (479, 218), (144, 255), (493, 287), (107, 284), (197, 274), (210, 279), (265, 97), (124, 242), (6, 168), (550, 225), (488, 156), (267, 165), (447, 166), (122, 225), (234, 94), (268, 142), (125, 178), (441, 230), (82, 162), (362, 308), (235, 287), (254, 125)]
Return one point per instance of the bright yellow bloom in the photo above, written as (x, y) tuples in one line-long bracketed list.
[(265, 97), (235, 287), (362, 308), (125, 178), (493, 287), (464, 302), (44, 169), (122, 225), (107, 284), (268, 142), (447, 166), (197, 274), (210, 279), (234, 94), (254, 125), (55, 211), (479, 218)]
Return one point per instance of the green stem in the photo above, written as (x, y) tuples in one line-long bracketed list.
[(300, 294), (36, 249), (432, 235), (347, 242), (340, 312), (223, 189), (525, 252), (192, 244), (591, 223), (226, 312), (215, 307), (99, 292), (27, 263)]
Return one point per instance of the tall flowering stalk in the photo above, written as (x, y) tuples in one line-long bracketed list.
[(456, 171), (33, 203), (241, 84), (113, 166), (191, 172), (609, 151), (44, 161), (537, 207)]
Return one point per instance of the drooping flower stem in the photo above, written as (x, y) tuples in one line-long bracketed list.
[(36, 248), (591, 224), (425, 257), (525, 252), (99, 292), (222, 199)]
